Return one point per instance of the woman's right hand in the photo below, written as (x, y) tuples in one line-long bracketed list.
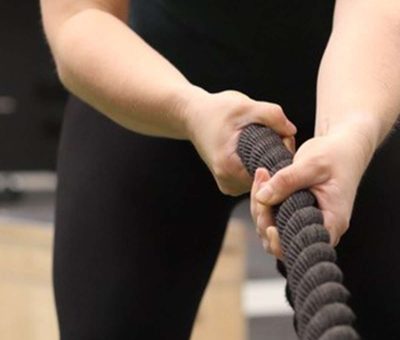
[(214, 122)]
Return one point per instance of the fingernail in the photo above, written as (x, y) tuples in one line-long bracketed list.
[(264, 194)]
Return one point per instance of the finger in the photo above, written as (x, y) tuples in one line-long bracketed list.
[(290, 143), (258, 211), (266, 246), (259, 223), (336, 226), (262, 214), (272, 115), (264, 174), (261, 174), (288, 180), (274, 240), (264, 218), (261, 233)]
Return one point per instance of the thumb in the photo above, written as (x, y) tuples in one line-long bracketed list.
[(287, 181)]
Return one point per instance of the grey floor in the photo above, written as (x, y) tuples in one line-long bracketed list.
[(39, 206)]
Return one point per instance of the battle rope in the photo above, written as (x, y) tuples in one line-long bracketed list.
[(314, 282)]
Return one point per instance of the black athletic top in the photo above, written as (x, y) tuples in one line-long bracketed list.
[(268, 49)]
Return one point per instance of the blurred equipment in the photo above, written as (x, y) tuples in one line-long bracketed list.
[(31, 97)]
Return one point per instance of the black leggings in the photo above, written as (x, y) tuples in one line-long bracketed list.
[(140, 221)]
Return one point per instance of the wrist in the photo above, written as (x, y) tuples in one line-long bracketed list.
[(361, 130), (182, 106)]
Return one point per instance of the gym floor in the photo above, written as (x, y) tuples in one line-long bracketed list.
[(268, 314)]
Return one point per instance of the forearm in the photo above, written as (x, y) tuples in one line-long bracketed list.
[(104, 62), (359, 77)]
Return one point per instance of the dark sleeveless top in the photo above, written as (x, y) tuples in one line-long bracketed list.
[(268, 49)]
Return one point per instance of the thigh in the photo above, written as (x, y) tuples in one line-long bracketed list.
[(139, 224), (369, 253)]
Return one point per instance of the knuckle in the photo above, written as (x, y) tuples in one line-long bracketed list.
[(238, 99), (277, 114), (277, 109), (320, 163), (242, 103), (232, 93), (285, 179)]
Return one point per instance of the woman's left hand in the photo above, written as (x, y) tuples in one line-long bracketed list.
[(331, 166)]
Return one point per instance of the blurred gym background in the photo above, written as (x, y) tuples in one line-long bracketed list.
[(245, 298)]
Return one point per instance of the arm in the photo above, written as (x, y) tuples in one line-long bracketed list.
[(101, 60), (359, 77), (358, 103)]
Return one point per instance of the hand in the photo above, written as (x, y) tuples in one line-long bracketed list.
[(263, 218), (215, 122), (331, 166)]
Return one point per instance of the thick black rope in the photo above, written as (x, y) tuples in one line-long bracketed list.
[(314, 282)]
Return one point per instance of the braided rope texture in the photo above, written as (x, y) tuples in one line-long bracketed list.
[(314, 286)]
